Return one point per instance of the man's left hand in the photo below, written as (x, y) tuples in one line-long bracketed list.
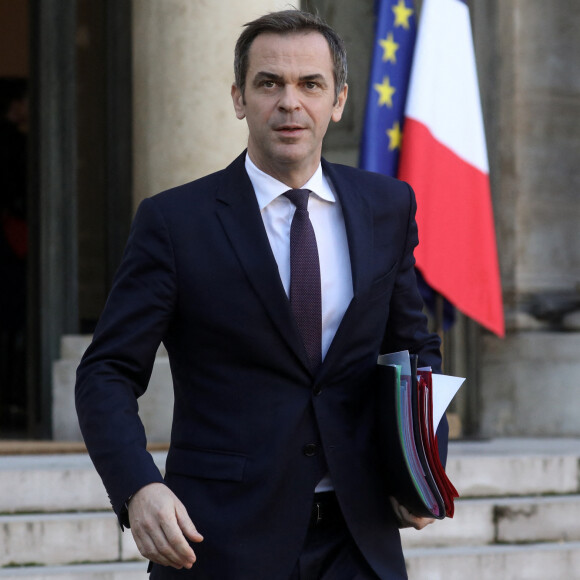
[(406, 519)]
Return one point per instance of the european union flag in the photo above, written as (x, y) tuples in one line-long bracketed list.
[(395, 34)]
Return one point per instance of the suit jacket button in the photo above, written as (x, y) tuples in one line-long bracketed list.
[(317, 390), (310, 449)]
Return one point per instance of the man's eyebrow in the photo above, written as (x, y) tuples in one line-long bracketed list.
[(314, 77), (265, 75)]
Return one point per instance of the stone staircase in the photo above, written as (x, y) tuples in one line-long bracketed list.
[(518, 518)]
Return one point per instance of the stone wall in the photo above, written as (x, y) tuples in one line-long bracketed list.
[(184, 122), (531, 88)]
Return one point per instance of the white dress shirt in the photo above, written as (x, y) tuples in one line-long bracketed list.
[(328, 222)]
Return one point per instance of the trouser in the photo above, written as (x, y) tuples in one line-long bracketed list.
[(329, 552)]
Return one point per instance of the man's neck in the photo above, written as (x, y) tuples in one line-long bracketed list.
[(292, 176)]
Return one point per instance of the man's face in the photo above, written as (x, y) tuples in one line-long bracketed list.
[(288, 102)]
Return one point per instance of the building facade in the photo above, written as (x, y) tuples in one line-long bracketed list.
[(132, 97)]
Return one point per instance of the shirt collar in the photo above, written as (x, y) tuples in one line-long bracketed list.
[(268, 188)]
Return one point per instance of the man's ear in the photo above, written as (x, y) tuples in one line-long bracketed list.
[(238, 100), (339, 105)]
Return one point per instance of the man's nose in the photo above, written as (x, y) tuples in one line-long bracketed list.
[(289, 99)]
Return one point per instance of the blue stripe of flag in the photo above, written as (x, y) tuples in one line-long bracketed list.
[(389, 74)]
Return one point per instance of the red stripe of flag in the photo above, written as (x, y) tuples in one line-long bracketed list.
[(457, 251)]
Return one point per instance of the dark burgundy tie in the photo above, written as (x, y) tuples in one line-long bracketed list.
[(305, 295)]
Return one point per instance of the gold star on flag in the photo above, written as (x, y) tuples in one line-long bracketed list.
[(402, 14), (395, 136), (390, 48), (386, 92)]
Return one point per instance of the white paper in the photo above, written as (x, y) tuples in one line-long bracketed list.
[(444, 389), (397, 358)]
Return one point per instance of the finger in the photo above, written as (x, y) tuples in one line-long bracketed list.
[(424, 522), (397, 510), (187, 526), (174, 546), (148, 548), (408, 518)]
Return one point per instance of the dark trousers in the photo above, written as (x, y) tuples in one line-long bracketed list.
[(330, 553)]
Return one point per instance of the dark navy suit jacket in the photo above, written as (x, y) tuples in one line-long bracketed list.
[(198, 274)]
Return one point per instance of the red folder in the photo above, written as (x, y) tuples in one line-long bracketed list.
[(425, 400), (408, 442)]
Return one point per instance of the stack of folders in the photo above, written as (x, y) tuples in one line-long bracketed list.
[(410, 404)]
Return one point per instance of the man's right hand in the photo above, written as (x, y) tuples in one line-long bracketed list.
[(160, 525), (406, 519)]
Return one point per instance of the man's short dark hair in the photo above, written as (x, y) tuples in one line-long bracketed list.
[(289, 22)]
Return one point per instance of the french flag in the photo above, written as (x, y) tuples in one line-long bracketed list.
[(444, 158)]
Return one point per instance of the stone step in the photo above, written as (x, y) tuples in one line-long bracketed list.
[(110, 571), (529, 562), (53, 483), (502, 521), (502, 467), (65, 538), (560, 561), (155, 406), (514, 466)]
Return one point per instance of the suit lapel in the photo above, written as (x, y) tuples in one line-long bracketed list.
[(358, 220), (239, 214)]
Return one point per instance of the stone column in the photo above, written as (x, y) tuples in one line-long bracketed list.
[(184, 122), (184, 127), (532, 95)]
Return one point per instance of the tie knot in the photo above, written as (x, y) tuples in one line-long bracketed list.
[(299, 197)]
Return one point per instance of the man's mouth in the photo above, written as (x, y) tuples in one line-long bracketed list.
[(289, 129)]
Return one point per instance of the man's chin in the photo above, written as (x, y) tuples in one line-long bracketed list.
[(291, 153)]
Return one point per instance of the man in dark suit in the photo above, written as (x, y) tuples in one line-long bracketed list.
[(273, 453)]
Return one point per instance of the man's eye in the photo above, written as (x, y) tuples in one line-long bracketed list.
[(311, 85), (269, 84)]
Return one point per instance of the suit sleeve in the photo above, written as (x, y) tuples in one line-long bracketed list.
[(117, 366), (407, 324)]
